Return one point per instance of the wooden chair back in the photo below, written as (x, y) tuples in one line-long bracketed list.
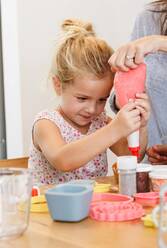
[(14, 162)]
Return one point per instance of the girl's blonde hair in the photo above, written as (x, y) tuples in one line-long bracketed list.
[(79, 52)]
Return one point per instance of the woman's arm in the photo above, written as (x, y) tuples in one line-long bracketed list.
[(132, 54)]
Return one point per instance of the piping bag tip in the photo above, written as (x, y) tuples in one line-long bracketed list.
[(135, 151)]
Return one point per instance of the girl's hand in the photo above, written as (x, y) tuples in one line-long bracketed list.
[(143, 105), (128, 119), (132, 54), (157, 154)]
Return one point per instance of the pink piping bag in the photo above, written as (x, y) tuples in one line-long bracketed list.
[(126, 85)]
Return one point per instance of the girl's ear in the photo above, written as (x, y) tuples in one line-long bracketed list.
[(57, 85)]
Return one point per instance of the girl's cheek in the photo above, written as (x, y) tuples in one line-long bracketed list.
[(101, 108)]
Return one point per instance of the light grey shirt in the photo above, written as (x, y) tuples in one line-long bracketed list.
[(148, 23)]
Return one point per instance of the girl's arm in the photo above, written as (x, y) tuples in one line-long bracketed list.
[(67, 157)]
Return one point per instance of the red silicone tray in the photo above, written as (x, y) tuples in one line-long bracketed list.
[(114, 207), (148, 199), (107, 211)]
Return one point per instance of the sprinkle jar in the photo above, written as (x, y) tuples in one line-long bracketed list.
[(127, 174)]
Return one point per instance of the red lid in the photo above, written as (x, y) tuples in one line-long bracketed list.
[(35, 191)]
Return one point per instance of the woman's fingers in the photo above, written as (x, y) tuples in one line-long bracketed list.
[(130, 57), (155, 157), (117, 60), (139, 56), (126, 57), (122, 59), (132, 54), (161, 149), (152, 153), (157, 162)]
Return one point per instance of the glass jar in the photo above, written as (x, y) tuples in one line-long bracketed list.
[(127, 174), (159, 216), (15, 195)]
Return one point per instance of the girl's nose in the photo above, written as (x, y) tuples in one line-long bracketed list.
[(91, 109)]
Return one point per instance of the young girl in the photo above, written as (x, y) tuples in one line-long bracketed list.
[(70, 142)]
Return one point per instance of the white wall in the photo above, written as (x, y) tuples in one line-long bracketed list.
[(12, 74), (36, 24)]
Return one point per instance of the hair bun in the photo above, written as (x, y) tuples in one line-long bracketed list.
[(77, 26)]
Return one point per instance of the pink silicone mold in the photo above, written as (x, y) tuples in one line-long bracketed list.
[(122, 211), (114, 207), (149, 199), (110, 197)]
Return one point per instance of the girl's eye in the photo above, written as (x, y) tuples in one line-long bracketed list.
[(102, 100), (81, 98)]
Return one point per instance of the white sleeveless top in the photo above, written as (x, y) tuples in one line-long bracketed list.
[(45, 173)]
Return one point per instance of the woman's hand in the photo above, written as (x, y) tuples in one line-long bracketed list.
[(157, 154), (132, 54), (143, 105)]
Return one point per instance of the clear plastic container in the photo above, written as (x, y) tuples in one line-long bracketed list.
[(127, 174), (15, 195), (157, 179), (159, 216)]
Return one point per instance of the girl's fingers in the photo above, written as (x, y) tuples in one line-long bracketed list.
[(135, 114), (142, 101), (142, 96), (137, 119), (129, 106), (142, 110), (143, 104)]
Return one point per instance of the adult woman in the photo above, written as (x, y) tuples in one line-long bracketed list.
[(152, 26)]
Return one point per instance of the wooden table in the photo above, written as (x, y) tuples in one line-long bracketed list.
[(44, 233)]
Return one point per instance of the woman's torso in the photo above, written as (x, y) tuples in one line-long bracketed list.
[(148, 23)]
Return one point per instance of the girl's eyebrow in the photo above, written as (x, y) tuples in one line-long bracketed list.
[(87, 96), (82, 95), (105, 96)]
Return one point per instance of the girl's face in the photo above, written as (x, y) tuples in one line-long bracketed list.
[(85, 99)]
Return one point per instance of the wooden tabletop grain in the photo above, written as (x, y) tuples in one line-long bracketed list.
[(44, 233)]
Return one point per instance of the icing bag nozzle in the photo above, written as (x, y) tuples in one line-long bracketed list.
[(133, 143), (135, 151)]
